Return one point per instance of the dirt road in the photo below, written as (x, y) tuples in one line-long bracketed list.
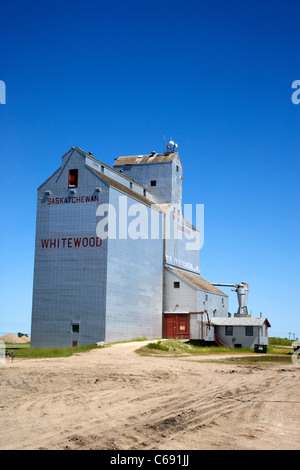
[(113, 398)]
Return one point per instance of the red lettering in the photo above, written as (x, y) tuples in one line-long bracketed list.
[(49, 200), (85, 243), (69, 242), (53, 243), (87, 198), (77, 242), (90, 241), (98, 241), (45, 243), (64, 241)]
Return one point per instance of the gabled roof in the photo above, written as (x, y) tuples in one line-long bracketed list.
[(142, 159), (107, 166), (239, 321), (197, 281), (124, 189), (115, 184)]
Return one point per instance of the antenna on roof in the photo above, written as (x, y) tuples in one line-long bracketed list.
[(172, 147)]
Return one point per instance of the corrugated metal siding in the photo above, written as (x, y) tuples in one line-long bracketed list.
[(134, 285), (239, 336), (69, 282), (200, 330), (216, 305), (145, 173), (183, 299)]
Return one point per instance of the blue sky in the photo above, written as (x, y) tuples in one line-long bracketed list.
[(116, 77)]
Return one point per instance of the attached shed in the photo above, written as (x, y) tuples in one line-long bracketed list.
[(241, 332), (189, 303)]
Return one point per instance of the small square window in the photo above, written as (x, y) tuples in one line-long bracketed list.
[(153, 183), (75, 327), (228, 330), (73, 178), (249, 330), (176, 285)]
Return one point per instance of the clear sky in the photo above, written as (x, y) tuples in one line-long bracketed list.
[(114, 78)]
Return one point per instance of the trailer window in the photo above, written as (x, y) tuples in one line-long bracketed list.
[(249, 330), (228, 330), (176, 285), (73, 178)]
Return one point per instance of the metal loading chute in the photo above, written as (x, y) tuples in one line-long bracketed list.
[(242, 290)]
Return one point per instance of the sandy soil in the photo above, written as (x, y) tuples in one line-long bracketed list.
[(113, 398)]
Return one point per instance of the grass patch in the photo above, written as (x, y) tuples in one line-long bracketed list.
[(37, 353), (17, 345), (173, 347), (259, 359), (275, 341), (158, 345)]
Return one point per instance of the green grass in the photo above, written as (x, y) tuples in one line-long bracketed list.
[(37, 353), (174, 347), (275, 341), (264, 359)]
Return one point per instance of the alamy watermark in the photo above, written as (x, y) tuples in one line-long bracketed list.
[(137, 221), (296, 95), (2, 92)]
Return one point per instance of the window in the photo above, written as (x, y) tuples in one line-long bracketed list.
[(130, 185), (249, 330), (176, 285), (177, 168), (75, 327), (73, 178), (228, 330), (102, 168), (153, 183), (206, 297), (145, 192)]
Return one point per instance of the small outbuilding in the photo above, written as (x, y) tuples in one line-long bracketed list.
[(241, 332)]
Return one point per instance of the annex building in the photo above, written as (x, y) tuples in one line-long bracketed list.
[(116, 260)]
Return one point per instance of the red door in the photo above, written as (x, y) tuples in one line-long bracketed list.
[(74, 344), (177, 326)]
